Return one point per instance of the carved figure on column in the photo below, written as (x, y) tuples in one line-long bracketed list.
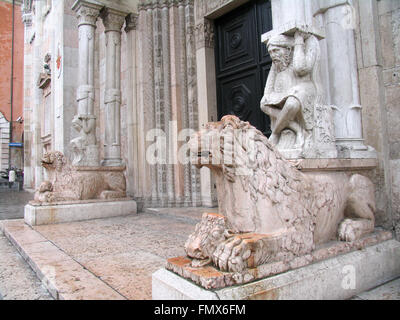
[(302, 127), (84, 147), (80, 146)]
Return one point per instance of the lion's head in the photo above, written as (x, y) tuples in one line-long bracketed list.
[(227, 145), (54, 160), (211, 231), (243, 152), (250, 173)]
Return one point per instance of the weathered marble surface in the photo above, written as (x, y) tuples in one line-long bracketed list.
[(210, 277), (345, 276)]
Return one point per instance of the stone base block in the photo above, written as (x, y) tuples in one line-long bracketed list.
[(50, 214), (341, 277), (210, 277)]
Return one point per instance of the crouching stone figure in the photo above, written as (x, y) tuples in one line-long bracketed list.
[(269, 210), (66, 183), (301, 125)]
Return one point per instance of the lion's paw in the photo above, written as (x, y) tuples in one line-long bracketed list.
[(349, 230), (232, 254), (50, 197)]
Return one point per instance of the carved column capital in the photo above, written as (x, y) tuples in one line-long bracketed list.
[(205, 34), (86, 12), (113, 20), (131, 22), (27, 19)]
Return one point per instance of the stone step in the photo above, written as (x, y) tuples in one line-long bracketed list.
[(338, 278), (63, 277)]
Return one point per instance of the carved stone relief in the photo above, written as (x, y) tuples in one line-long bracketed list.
[(302, 126), (162, 66), (204, 34)]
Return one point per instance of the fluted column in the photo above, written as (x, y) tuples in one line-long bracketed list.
[(84, 147), (113, 21)]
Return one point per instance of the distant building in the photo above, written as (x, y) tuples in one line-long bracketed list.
[(8, 38)]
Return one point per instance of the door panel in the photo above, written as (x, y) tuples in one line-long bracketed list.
[(243, 63), (238, 94), (235, 41)]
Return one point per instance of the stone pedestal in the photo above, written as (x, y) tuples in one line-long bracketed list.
[(340, 277), (36, 215), (76, 193)]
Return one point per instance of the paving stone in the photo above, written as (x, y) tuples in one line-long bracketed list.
[(12, 203), (62, 276), (17, 280), (387, 291)]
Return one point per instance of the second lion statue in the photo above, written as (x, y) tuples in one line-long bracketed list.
[(66, 183), (268, 209)]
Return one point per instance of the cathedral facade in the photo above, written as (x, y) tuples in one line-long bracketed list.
[(125, 83)]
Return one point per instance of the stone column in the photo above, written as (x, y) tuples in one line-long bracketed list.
[(113, 21), (134, 167), (207, 97), (339, 20), (27, 20), (37, 62), (85, 147)]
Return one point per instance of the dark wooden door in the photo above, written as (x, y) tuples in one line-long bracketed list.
[(243, 62)]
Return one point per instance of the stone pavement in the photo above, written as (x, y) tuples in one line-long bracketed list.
[(121, 252), (17, 279), (107, 258), (12, 203)]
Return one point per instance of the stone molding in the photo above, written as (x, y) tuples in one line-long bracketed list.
[(207, 8), (26, 6), (324, 5), (27, 19), (158, 4), (205, 34)]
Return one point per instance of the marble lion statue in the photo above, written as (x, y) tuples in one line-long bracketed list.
[(67, 184), (268, 209)]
